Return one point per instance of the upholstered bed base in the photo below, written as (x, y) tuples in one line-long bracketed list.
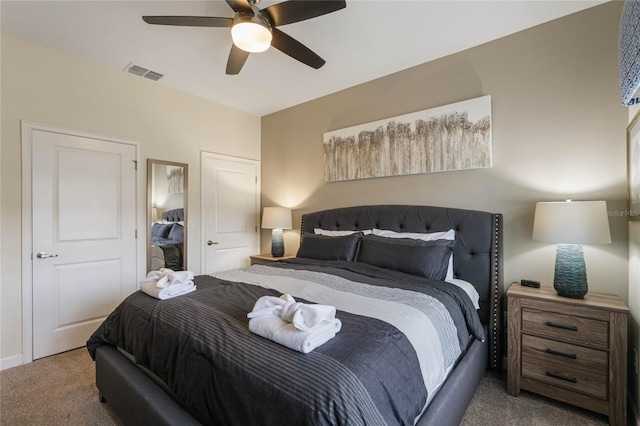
[(450, 403), (133, 395)]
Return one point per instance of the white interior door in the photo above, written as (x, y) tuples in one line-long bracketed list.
[(230, 212), (84, 242)]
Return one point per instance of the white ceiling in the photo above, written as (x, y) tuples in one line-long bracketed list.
[(366, 40)]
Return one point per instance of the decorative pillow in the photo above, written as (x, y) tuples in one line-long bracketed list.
[(177, 233), (160, 230), (429, 259), (430, 236), (324, 247), (332, 233)]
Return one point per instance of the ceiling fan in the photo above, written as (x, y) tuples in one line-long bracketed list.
[(254, 29)]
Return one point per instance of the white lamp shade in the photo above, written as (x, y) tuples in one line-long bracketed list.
[(572, 222), (276, 217)]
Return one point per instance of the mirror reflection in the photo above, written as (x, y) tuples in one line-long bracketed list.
[(167, 215)]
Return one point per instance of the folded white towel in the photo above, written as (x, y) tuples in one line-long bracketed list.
[(155, 275), (303, 316), (172, 278), (167, 292), (285, 333), (269, 305), (308, 317), (165, 277), (159, 273)]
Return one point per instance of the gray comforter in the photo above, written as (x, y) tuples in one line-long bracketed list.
[(370, 373)]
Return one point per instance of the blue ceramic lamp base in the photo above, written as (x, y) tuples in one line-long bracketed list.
[(570, 278), (277, 243)]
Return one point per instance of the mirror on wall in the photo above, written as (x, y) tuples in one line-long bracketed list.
[(167, 186)]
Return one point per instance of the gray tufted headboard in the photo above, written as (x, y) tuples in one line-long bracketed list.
[(477, 256), (175, 215)]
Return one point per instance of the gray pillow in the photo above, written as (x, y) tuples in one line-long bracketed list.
[(160, 230), (324, 247), (177, 233), (429, 259)]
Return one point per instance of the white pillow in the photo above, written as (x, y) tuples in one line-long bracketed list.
[(469, 289), (446, 235), (331, 233)]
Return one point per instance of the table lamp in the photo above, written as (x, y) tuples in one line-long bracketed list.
[(277, 219), (571, 224)]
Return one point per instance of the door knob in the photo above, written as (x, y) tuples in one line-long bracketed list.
[(44, 255), (210, 243)]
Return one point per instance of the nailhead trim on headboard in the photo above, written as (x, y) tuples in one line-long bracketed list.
[(496, 316)]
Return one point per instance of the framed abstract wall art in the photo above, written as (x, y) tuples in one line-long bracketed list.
[(445, 138)]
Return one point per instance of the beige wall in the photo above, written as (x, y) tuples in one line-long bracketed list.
[(558, 132), (634, 306), (634, 301), (51, 88)]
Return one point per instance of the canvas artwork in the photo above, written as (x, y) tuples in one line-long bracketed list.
[(450, 137), (175, 178)]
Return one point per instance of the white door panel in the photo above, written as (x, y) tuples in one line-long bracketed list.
[(231, 258), (84, 214), (98, 197), (230, 212)]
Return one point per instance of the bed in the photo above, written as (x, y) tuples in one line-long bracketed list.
[(251, 380), (167, 241)]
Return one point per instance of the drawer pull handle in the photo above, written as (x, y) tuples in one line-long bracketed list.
[(558, 376), (564, 327), (566, 355)]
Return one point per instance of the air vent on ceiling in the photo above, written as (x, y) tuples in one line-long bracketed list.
[(143, 72), (152, 75)]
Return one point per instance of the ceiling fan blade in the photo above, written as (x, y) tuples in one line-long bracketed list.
[(189, 21), (237, 58), (239, 5), (292, 11), (295, 49)]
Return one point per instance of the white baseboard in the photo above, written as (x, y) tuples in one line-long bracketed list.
[(10, 362)]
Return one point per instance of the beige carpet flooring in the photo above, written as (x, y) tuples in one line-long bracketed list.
[(57, 390), (61, 390)]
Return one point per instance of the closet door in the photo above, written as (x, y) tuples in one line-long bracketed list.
[(83, 235), (230, 212)]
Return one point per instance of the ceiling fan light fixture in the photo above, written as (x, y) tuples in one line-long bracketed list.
[(251, 33), (254, 29)]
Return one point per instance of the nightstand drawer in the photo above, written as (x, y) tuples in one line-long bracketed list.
[(568, 366), (568, 328)]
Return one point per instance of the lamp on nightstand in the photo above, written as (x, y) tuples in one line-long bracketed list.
[(571, 224), (277, 219)]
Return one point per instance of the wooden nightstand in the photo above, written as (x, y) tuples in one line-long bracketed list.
[(265, 259), (572, 350)]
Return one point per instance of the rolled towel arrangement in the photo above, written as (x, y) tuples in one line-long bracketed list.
[(172, 278), (166, 283), (298, 326)]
